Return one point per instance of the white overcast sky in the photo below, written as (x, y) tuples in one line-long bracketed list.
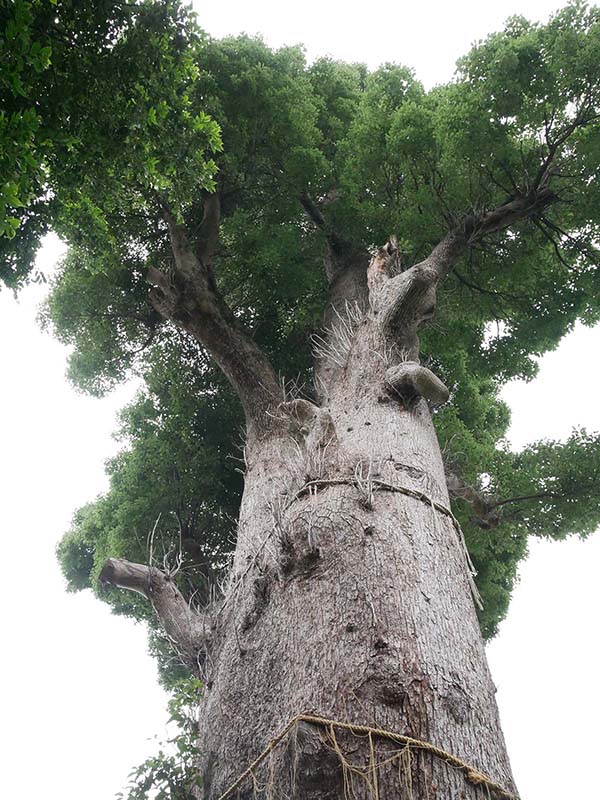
[(80, 697)]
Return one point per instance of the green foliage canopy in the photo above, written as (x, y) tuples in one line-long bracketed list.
[(159, 113)]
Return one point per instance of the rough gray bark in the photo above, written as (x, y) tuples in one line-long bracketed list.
[(349, 595)]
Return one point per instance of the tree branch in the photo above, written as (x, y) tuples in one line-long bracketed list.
[(209, 228), (187, 628), (312, 210), (188, 297), (403, 301), (514, 210), (537, 496), (525, 203), (487, 513), (339, 251), (576, 243), (484, 516)]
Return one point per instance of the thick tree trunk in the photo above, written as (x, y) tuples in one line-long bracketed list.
[(349, 599)]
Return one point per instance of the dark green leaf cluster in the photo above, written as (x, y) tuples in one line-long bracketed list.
[(175, 486), (24, 54), (97, 121)]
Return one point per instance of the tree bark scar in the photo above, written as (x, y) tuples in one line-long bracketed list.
[(261, 588)]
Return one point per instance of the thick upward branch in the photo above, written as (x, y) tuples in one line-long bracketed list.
[(209, 229), (189, 298), (403, 300), (483, 507), (343, 261), (185, 627)]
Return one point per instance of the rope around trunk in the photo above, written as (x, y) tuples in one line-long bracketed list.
[(472, 774), (319, 483), (417, 495)]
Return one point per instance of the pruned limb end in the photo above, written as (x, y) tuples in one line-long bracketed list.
[(411, 380), (185, 627)]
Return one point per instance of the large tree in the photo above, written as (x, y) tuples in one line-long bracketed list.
[(345, 270)]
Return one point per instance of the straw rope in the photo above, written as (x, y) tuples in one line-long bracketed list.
[(472, 774), (417, 495)]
